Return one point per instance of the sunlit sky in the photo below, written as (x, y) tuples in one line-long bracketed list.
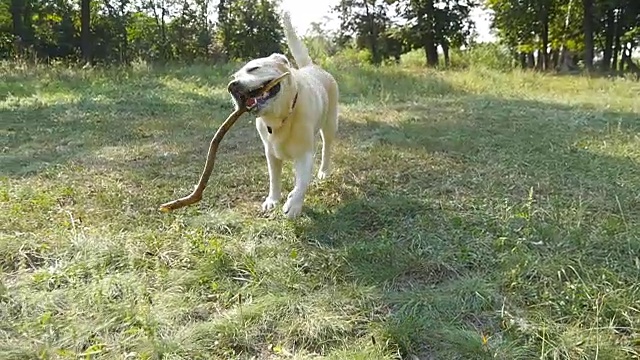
[(303, 13)]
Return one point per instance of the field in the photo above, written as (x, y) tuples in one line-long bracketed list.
[(471, 215)]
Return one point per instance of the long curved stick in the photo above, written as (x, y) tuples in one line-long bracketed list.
[(196, 195)]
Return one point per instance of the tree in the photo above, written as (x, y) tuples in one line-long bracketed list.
[(587, 24), (116, 26), (609, 33), (616, 22), (365, 22), (529, 26), (584, 28), (437, 22), (422, 15), (453, 24), (85, 20), (18, 12), (249, 28), (320, 42)]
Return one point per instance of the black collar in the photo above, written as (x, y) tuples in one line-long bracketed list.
[(293, 105)]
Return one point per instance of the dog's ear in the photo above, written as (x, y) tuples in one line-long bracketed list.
[(281, 59)]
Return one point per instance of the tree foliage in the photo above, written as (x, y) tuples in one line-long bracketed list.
[(119, 31), (582, 30), (539, 34), (249, 28), (366, 24)]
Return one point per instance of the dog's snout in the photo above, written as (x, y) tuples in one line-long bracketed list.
[(234, 87)]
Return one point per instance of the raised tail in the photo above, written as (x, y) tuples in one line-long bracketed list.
[(296, 46)]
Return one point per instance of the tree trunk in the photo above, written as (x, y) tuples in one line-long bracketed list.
[(616, 39), (531, 61), (587, 26), (429, 38), (85, 30), (623, 58), (523, 60), (163, 32), (631, 66), (372, 36), (445, 52), (555, 58), (124, 48), (223, 27), (609, 31), (614, 57), (545, 40), (539, 60), (543, 56), (431, 51), (17, 12), (161, 24)]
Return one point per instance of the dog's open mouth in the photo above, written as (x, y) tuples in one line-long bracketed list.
[(258, 97)]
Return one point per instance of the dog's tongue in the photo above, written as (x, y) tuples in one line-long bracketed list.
[(251, 102)]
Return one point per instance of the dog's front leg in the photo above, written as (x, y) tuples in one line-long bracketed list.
[(275, 181), (303, 167)]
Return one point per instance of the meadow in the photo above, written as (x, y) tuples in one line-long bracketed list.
[(472, 214)]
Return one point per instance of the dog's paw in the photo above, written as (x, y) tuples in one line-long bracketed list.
[(292, 208), (269, 204)]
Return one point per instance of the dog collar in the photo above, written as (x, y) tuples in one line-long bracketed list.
[(293, 105)]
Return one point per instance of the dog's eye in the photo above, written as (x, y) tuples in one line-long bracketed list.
[(253, 69)]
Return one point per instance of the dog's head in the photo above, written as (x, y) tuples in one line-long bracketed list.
[(247, 86)]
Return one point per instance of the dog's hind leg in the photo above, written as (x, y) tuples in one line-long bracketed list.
[(328, 134), (327, 143)]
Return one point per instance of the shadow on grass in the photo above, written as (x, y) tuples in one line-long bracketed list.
[(42, 136), (492, 213), (489, 211), (131, 109)]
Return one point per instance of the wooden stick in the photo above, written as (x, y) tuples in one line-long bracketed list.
[(196, 195)]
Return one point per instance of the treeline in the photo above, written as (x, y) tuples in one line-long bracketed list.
[(120, 31), (537, 34), (563, 32), (540, 34)]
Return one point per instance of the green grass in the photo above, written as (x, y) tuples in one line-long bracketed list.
[(471, 215)]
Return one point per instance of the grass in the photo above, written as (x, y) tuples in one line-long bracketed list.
[(471, 215)]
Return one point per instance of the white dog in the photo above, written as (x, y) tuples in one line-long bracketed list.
[(290, 115)]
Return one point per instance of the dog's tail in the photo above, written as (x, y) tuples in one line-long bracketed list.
[(298, 49)]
